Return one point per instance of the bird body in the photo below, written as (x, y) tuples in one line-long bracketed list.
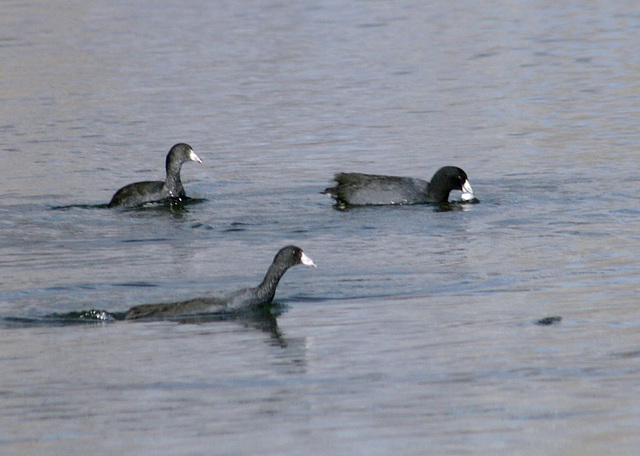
[(241, 299), (357, 189), (139, 193)]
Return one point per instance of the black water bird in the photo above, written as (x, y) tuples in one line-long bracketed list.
[(356, 189), (245, 298), (140, 193)]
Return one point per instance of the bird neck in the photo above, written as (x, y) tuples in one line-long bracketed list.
[(267, 289), (173, 184), (438, 190)]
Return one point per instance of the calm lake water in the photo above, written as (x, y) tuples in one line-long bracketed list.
[(417, 332)]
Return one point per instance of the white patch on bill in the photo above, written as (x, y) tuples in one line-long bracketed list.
[(467, 192), (304, 259), (194, 157)]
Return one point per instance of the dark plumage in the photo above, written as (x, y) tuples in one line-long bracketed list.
[(151, 191), (245, 298), (357, 189)]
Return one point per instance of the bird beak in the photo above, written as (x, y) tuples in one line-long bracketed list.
[(467, 191), (194, 157), (304, 259)]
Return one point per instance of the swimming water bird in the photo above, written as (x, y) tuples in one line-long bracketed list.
[(357, 189), (139, 193), (239, 300)]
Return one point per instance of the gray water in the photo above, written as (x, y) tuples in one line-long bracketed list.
[(417, 332)]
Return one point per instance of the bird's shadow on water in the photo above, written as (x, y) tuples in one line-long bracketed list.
[(171, 205), (263, 318), (443, 207)]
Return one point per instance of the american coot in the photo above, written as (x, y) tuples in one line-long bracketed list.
[(247, 297), (357, 189), (151, 191)]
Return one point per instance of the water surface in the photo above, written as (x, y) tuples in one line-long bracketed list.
[(417, 332)]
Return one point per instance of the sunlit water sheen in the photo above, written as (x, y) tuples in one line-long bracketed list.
[(417, 332)]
